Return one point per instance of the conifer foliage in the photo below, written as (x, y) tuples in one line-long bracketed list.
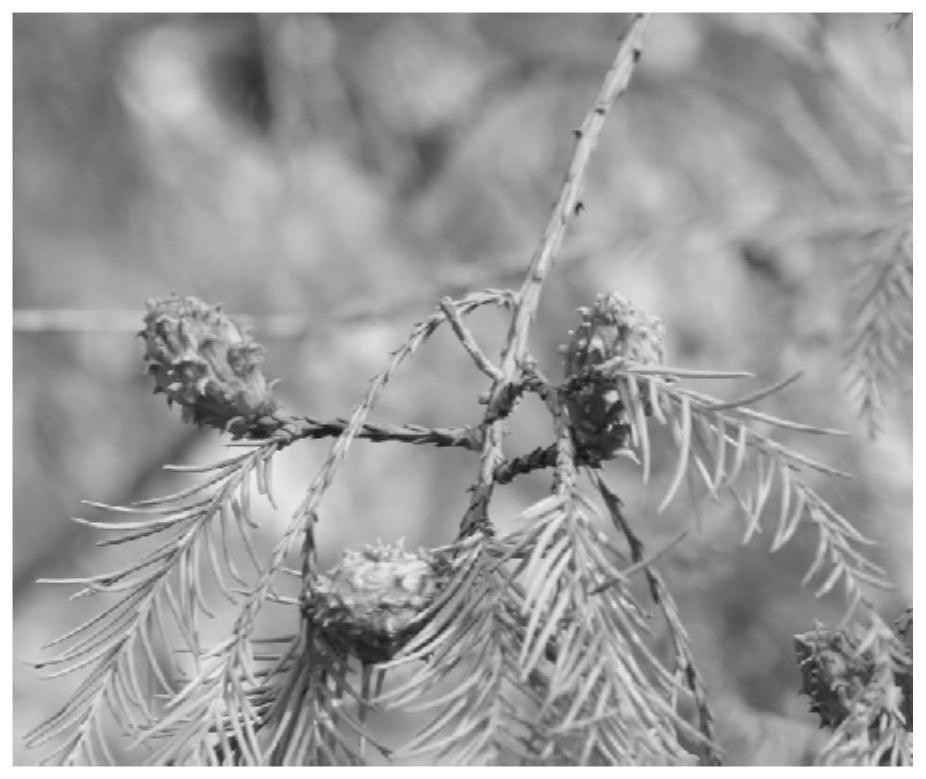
[(523, 647), (880, 315)]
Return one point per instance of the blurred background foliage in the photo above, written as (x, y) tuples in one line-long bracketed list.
[(334, 175)]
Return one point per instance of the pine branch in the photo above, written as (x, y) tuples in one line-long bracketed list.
[(716, 443), (464, 665), (608, 697), (537, 459), (216, 698), (568, 205), (529, 647), (163, 588), (520, 661), (289, 429), (686, 666), (468, 341), (880, 321), (226, 673)]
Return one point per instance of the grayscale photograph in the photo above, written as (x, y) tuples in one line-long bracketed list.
[(462, 389)]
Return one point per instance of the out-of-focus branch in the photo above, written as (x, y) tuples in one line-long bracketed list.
[(75, 320), (294, 325)]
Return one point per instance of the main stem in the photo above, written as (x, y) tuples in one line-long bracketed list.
[(567, 206), (569, 203)]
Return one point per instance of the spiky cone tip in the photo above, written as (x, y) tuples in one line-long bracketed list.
[(834, 673), (831, 674), (209, 364)]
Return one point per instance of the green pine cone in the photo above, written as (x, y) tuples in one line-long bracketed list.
[(612, 328), (831, 672), (370, 603), (208, 364)]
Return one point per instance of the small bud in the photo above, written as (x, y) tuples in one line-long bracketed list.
[(207, 363)]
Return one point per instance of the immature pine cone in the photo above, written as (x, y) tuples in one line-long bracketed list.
[(831, 672), (370, 601), (611, 328), (834, 674), (209, 364)]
